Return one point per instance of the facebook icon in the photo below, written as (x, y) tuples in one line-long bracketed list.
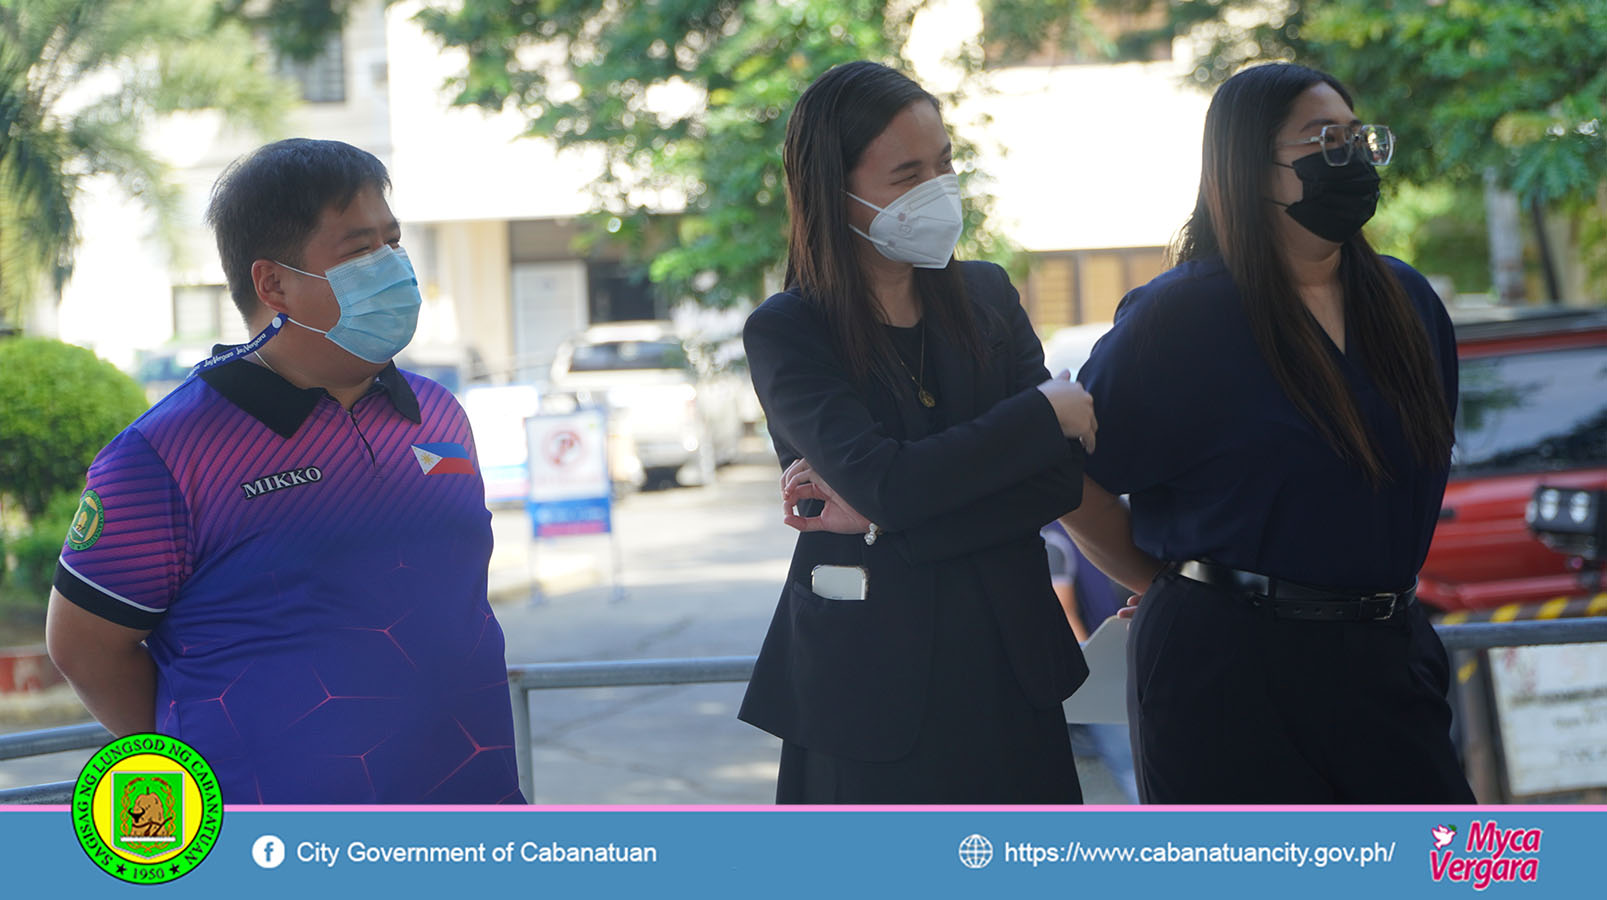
[(268, 851)]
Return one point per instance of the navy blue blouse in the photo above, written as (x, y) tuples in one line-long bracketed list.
[(1221, 465)]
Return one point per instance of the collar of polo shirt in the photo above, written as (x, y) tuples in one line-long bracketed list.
[(282, 406)]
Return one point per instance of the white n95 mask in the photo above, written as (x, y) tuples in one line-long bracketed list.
[(921, 227)]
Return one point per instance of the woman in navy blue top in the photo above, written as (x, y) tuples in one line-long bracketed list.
[(1279, 408)]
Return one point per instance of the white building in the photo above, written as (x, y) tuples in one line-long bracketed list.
[(1093, 168)]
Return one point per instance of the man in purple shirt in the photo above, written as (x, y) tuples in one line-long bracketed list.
[(283, 562)]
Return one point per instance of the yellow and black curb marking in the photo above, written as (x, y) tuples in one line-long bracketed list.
[(1556, 608)]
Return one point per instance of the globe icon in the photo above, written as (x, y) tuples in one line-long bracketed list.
[(976, 851)]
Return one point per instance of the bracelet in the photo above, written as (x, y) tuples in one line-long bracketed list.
[(872, 534)]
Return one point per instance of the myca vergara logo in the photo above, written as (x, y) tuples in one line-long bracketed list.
[(147, 808), (1492, 854)]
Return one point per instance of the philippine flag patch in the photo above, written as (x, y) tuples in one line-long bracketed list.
[(443, 459)]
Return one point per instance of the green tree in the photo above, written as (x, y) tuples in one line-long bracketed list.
[(1437, 226), (25, 589), (1517, 87), (59, 404), (1227, 34), (687, 100), (80, 82), (295, 28)]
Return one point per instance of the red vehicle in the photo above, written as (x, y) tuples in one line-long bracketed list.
[(1533, 409)]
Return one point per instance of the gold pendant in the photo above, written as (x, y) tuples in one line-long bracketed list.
[(927, 400)]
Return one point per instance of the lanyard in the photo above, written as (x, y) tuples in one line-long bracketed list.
[(245, 349)]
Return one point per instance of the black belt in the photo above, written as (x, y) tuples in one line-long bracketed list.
[(1287, 600)]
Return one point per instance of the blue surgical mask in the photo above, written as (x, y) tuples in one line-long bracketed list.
[(379, 303)]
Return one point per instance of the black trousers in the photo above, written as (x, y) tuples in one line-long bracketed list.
[(1230, 706), (981, 741)]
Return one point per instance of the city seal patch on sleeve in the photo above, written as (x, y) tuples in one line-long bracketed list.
[(147, 809), (87, 522)]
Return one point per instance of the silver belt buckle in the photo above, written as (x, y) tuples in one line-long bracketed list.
[(1389, 611)]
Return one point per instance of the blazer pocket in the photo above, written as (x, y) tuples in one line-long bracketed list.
[(803, 595)]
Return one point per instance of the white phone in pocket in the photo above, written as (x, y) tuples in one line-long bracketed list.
[(838, 582)]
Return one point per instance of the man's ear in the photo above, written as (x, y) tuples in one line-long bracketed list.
[(268, 279)]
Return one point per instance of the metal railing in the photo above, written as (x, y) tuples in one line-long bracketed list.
[(1484, 635), (523, 679), (89, 736), (628, 673)]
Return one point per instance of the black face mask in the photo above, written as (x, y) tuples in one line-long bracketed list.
[(1337, 200)]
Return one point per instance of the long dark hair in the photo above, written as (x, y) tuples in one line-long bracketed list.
[(1232, 218), (835, 119)]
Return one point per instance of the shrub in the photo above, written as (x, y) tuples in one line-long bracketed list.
[(36, 550), (59, 404)]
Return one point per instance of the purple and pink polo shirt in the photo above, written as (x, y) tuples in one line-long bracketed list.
[(314, 583)]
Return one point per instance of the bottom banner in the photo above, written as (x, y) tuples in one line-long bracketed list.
[(716, 852)]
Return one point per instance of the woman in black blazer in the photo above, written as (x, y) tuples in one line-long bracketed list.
[(918, 654)]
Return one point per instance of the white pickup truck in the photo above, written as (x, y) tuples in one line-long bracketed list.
[(683, 417)]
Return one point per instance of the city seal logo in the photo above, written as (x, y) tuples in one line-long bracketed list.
[(147, 808), (87, 522)]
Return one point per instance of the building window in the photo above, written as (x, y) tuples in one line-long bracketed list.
[(1076, 287), (621, 293), (205, 313), (1103, 36), (322, 79)]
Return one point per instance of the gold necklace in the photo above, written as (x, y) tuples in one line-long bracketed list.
[(925, 396)]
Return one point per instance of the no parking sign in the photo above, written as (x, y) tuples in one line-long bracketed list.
[(570, 489)]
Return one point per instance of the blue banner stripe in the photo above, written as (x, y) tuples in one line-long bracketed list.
[(1361, 852)]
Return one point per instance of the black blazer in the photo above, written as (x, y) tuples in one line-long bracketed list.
[(849, 677)]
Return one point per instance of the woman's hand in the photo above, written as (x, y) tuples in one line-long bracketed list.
[(1127, 611), (1073, 407), (800, 482)]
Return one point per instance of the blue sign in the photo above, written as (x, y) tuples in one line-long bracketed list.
[(570, 488), (562, 517)]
